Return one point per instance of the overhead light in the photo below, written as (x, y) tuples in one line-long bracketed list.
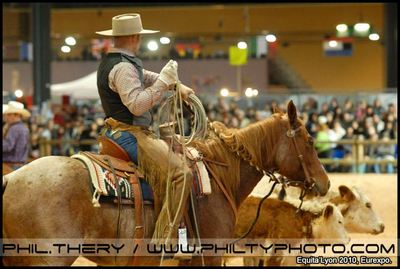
[(341, 27), (224, 92), (152, 45), (332, 44), (270, 38), (361, 27), (18, 93), (255, 92), (65, 49), (71, 41), (242, 45), (165, 40), (249, 92), (373, 37)]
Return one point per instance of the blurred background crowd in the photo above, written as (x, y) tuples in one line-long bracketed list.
[(72, 128)]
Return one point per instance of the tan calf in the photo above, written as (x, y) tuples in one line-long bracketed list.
[(278, 220)]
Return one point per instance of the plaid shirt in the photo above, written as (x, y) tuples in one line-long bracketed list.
[(16, 143), (124, 79)]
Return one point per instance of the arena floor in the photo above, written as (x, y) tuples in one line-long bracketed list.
[(381, 190)]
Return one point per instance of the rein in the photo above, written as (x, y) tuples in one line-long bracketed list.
[(308, 184), (257, 214)]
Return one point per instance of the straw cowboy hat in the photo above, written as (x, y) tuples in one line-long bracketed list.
[(126, 24), (14, 107)]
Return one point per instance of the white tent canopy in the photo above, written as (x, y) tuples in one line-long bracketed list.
[(82, 88)]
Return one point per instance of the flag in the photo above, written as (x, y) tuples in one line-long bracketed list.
[(338, 47), (258, 46), (237, 56)]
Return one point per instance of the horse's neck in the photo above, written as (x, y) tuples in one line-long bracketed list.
[(249, 177)]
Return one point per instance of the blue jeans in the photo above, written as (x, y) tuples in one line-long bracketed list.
[(127, 141)]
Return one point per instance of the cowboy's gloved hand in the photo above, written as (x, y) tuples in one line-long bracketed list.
[(169, 73), (185, 91)]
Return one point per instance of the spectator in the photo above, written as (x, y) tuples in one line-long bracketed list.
[(384, 152), (333, 105), (312, 123), (377, 108), (35, 136), (323, 149), (348, 106), (15, 136), (324, 109)]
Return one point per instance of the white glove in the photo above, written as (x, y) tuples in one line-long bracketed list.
[(169, 73), (185, 91)]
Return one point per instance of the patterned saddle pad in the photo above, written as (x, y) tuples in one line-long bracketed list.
[(104, 186)]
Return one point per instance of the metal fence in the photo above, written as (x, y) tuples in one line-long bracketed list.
[(356, 160)]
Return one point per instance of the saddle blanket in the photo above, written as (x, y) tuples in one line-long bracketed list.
[(103, 182)]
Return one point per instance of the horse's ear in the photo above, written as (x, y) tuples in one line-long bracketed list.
[(346, 193), (275, 109), (292, 113)]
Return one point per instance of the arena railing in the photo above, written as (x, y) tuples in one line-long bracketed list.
[(357, 158)]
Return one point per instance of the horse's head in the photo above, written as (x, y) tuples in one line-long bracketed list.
[(296, 157)]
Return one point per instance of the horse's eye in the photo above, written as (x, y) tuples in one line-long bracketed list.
[(368, 205), (340, 222)]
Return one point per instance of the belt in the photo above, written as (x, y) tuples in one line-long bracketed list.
[(115, 124)]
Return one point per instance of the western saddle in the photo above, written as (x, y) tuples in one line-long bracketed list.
[(115, 159)]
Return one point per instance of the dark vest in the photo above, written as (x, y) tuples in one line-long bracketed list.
[(110, 100)]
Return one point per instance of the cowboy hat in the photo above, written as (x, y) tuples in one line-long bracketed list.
[(14, 107), (126, 24)]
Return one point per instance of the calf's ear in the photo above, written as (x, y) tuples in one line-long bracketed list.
[(346, 193), (328, 211)]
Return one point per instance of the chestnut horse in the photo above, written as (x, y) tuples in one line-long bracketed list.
[(51, 197)]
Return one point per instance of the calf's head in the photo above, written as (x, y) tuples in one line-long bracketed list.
[(330, 226)]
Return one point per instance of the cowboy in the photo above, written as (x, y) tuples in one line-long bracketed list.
[(128, 92), (15, 135)]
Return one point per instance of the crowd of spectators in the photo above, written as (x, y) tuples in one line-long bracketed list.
[(328, 121)]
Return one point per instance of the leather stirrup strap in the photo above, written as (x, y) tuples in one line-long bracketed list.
[(139, 217), (223, 189)]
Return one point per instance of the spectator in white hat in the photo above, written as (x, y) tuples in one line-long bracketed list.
[(15, 135)]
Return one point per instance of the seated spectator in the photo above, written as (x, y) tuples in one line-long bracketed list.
[(312, 123), (324, 109), (377, 108), (323, 149), (384, 152)]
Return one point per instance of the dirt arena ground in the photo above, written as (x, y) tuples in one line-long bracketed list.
[(381, 190)]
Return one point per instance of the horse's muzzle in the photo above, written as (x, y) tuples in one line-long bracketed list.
[(317, 190)]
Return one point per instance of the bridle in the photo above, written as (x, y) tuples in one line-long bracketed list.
[(308, 183)]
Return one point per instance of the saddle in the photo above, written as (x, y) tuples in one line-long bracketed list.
[(114, 158)]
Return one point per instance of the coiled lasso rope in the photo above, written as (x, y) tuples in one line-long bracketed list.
[(173, 106)]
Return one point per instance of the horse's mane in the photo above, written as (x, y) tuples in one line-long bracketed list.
[(252, 143)]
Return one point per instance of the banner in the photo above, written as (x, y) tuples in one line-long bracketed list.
[(237, 56)]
